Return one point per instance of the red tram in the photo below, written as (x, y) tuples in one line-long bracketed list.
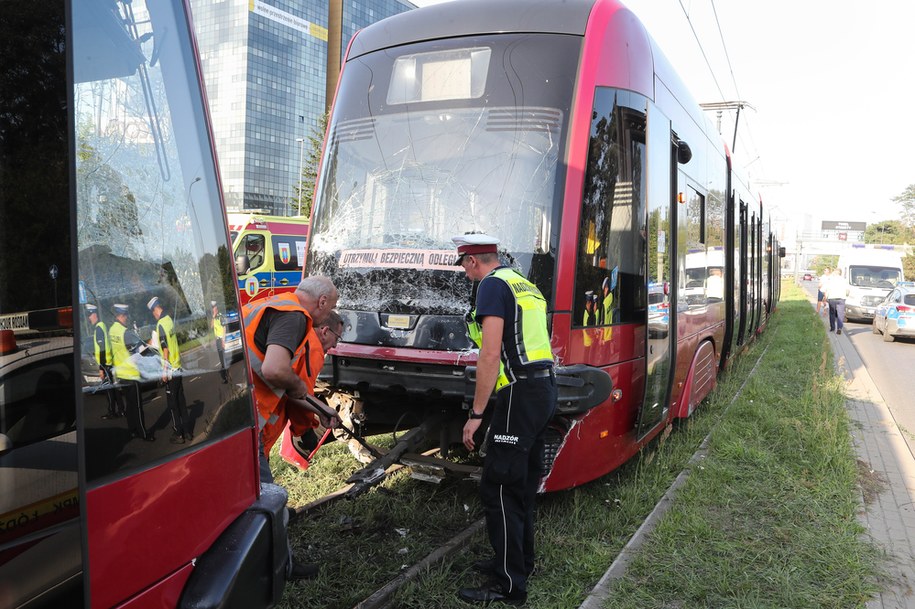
[(109, 195), (561, 129)]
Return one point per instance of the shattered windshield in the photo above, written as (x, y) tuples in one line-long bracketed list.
[(447, 141), (423, 177)]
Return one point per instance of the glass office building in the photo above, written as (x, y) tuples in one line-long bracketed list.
[(264, 63)]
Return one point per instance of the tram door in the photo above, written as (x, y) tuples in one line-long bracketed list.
[(661, 310)]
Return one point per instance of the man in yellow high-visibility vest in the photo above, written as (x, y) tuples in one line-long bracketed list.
[(125, 343), (220, 332), (102, 347), (509, 325), (171, 371)]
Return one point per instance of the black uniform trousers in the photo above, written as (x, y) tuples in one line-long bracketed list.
[(177, 405), (221, 354), (136, 420), (512, 470), (115, 400)]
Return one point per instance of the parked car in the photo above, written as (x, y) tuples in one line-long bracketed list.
[(808, 276), (895, 316), (658, 312)]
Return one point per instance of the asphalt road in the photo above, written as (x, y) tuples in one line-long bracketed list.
[(891, 366)]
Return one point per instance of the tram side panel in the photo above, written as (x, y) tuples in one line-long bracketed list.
[(122, 497)]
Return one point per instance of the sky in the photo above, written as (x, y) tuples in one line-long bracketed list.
[(831, 84)]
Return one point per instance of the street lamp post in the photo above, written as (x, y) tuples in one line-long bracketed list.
[(301, 141), (881, 237)]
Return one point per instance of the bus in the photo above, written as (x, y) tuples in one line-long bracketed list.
[(561, 129), (110, 200)]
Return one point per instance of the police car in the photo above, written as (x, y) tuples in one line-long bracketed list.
[(895, 316), (232, 340), (658, 311)]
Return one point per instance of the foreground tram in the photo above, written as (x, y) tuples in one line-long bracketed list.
[(561, 129), (109, 199)]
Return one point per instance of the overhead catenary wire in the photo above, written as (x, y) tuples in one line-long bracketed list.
[(701, 49), (739, 134)]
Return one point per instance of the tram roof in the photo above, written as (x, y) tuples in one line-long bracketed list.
[(470, 17)]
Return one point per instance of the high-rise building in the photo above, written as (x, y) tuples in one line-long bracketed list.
[(264, 64)]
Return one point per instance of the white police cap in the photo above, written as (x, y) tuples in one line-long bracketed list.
[(91, 308), (121, 309), (474, 243), (153, 303)]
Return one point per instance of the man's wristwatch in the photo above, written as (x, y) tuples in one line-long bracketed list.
[(473, 415)]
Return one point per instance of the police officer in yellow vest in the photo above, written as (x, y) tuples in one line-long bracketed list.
[(125, 343), (220, 332), (102, 345), (171, 371), (509, 325)]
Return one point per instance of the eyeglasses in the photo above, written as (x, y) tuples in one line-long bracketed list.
[(339, 338)]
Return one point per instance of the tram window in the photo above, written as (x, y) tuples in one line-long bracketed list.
[(150, 226), (610, 275), (695, 264), (440, 75)]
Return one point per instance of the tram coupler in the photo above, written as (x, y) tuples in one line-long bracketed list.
[(373, 473), (579, 387)]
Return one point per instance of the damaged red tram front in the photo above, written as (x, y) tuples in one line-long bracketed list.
[(569, 137)]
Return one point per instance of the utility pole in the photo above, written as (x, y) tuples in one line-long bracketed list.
[(720, 107), (334, 50)]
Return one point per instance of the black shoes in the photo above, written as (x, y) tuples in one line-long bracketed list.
[(302, 570), (491, 594), (177, 439), (838, 331)]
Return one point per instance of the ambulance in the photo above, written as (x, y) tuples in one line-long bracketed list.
[(269, 253)]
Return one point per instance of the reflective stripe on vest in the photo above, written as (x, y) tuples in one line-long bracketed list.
[(167, 326), (532, 341), (106, 345), (120, 356), (266, 395)]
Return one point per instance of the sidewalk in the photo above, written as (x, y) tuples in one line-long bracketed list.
[(888, 511)]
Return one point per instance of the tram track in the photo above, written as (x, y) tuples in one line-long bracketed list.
[(457, 542)]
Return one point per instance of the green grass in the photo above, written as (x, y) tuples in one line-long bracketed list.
[(766, 520)]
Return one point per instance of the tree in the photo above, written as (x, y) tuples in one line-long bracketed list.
[(891, 232), (304, 190), (819, 263), (907, 201)]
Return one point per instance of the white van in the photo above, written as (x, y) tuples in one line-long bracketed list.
[(871, 274)]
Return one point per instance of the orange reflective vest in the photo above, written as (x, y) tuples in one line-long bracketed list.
[(268, 400), (308, 368)]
